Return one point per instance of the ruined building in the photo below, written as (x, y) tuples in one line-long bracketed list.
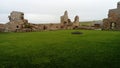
[(2, 27), (16, 22), (76, 22), (113, 20), (66, 23), (65, 20)]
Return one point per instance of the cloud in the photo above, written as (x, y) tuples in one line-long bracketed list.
[(51, 10), (41, 18)]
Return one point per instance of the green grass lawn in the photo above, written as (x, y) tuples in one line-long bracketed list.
[(60, 49)]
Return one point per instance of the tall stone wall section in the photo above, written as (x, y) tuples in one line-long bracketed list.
[(113, 20), (64, 19), (16, 21), (2, 27), (66, 23), (76, 21)]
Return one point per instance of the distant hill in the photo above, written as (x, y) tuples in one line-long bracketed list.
[(90, 23)]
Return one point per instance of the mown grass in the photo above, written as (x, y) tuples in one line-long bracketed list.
[(60, 49)]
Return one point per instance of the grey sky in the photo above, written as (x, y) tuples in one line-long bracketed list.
[(49, 11)]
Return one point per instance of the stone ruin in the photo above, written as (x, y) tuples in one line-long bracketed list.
[(113, 20), (66, 22), (76, 22), (16, 22), (41, 27), (2, 28)]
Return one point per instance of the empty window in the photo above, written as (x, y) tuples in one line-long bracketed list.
[(17, 26), (113, 25)]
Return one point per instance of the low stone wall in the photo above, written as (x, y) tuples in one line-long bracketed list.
[(2, 27)]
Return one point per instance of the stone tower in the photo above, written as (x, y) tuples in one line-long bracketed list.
[(64, 19), (113, 20), (76, 21), (16, 22)]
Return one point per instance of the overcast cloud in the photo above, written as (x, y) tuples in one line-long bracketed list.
[(49, 11)]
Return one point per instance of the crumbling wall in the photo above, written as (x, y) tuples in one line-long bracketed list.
[(113, 20), (2, 28), (66, 23), (76, 22), (16, 21)]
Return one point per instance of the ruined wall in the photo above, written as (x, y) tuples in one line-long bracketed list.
[(113, 20), (16, 21), (66, 23), (76, 21), (41, 27), (64, 19), (2, 27), (106, 24)]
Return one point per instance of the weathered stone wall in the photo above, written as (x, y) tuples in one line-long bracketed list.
[(65, 19), (76, 21), (2, 27), (113, 20), (41, 27), (16, 21), (66, 23), (106, 24)]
